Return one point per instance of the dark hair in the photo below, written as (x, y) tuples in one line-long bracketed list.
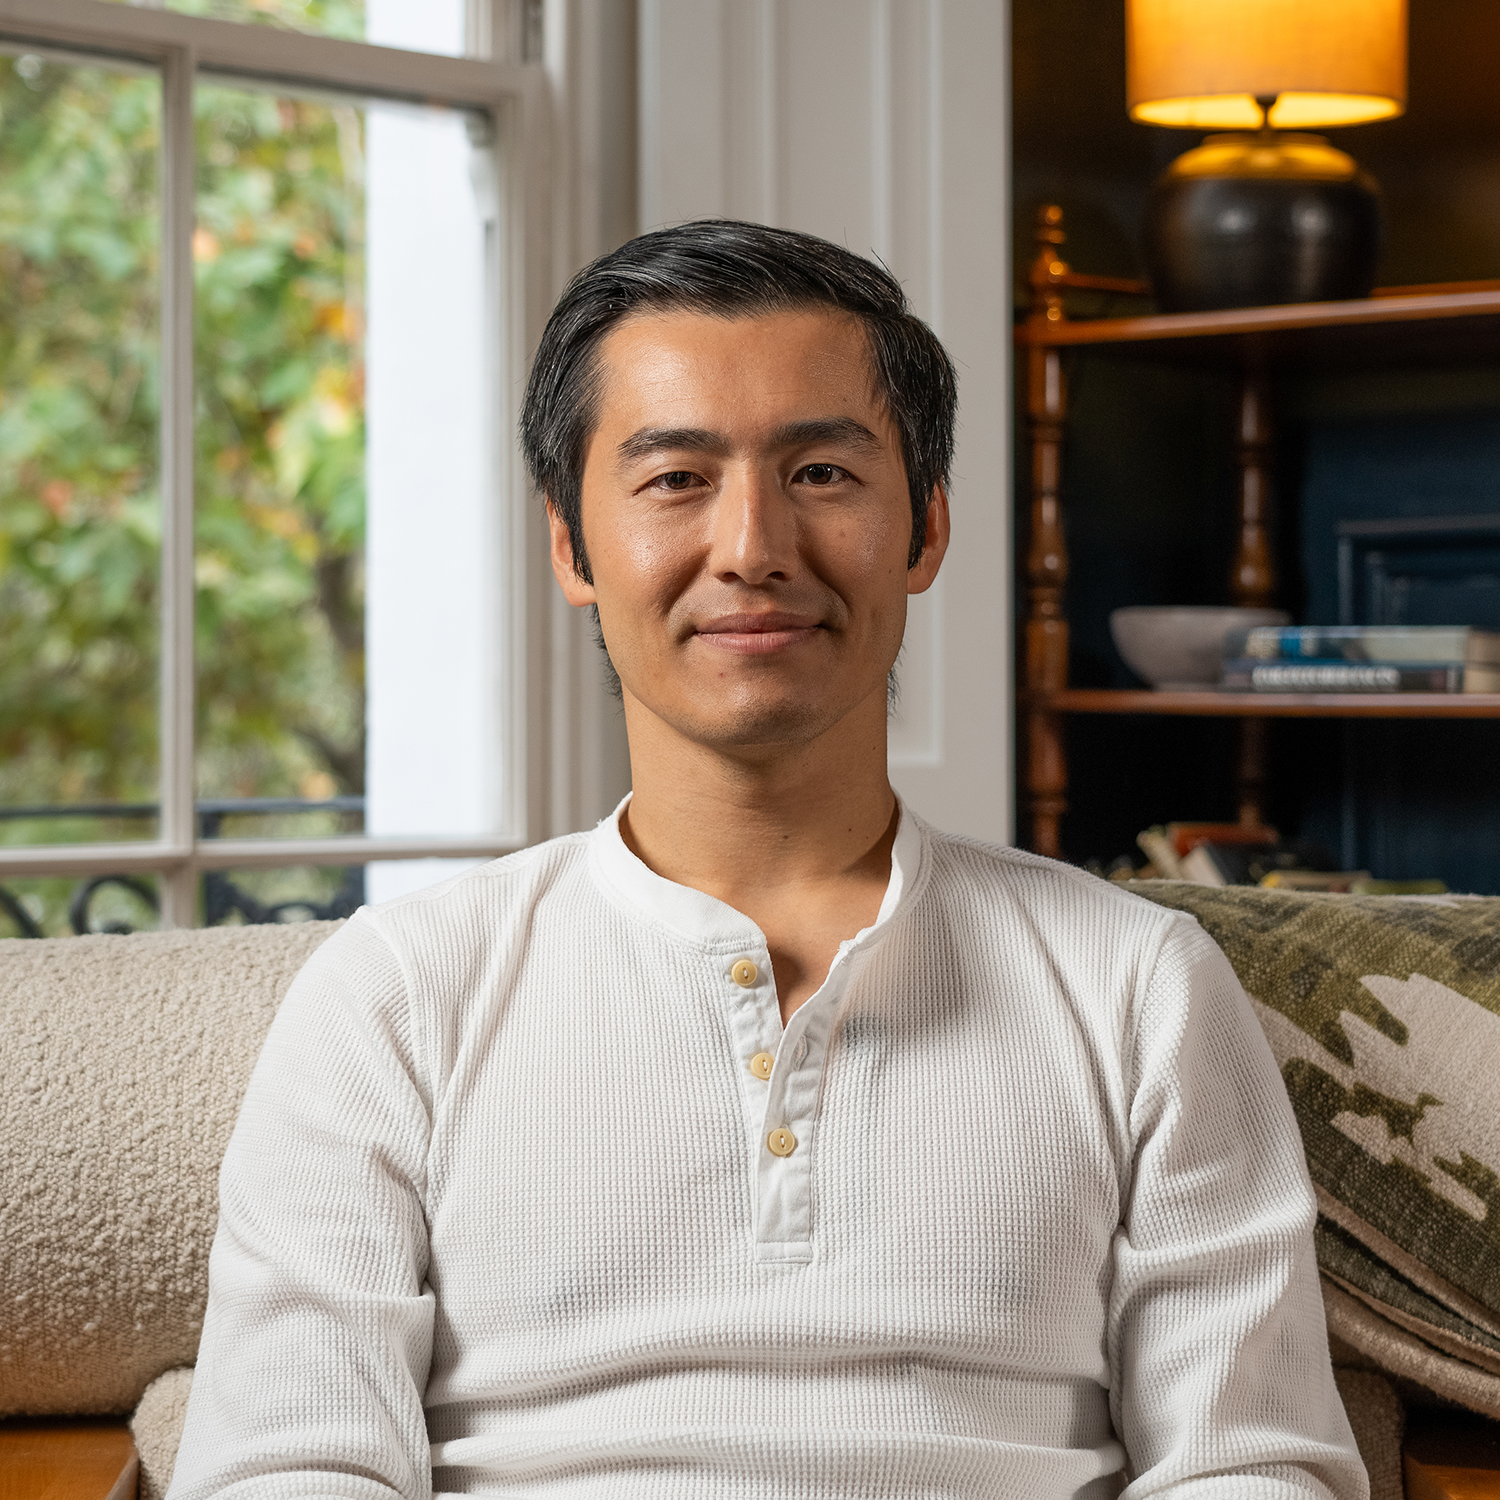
[(730, 269)]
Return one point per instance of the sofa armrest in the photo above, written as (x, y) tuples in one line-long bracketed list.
[(67, 1460)]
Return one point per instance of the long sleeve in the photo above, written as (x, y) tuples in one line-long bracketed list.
[(318, 1333), (1221, 1384)]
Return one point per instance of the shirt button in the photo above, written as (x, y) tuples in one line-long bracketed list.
[(781, 1141), (761, 1064), (744, 973)]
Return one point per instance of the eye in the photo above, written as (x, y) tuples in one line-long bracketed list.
[(822, 474), (678, 479)]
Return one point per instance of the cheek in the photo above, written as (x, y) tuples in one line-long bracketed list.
[(643, 558), (870, 558)]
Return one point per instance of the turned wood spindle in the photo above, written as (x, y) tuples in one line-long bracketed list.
[(1046, 664), (1252, 577), (1250, 781)]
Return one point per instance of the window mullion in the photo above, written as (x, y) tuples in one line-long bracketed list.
[(178, 819), (492, 29)]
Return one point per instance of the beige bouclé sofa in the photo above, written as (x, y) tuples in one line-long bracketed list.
[(124, 1061)]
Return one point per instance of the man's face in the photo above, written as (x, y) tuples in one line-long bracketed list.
[(747, 519)]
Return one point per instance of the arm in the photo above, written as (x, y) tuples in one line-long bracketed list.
[(318, 1334), (1221, 1383)]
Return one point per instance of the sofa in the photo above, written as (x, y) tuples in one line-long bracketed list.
[(126, 1057)]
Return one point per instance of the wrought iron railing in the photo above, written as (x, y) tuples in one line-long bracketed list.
[(222, 898)]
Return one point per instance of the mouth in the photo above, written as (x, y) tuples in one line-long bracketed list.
[(758, 634)]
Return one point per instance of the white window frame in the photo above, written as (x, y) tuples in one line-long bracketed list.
[(512, 92)]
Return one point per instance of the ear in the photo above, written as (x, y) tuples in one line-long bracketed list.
[(575, 590), (934, 544)]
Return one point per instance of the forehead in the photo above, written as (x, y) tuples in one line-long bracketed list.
[(685, 368)]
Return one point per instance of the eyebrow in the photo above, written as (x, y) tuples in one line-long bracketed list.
[(845, 430), (826, 430), (648, 440)]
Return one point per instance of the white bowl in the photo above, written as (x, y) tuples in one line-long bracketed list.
[(1181, 646)]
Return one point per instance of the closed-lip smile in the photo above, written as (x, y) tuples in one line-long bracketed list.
[(757, 634)]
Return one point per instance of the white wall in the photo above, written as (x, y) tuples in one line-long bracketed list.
[(590, 57), (881, 124)]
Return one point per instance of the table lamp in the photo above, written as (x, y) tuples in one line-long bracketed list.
[(1265, 213)]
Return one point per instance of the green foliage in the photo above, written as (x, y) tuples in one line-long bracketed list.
[(280, 445), (279, 436), (339, 18), (79, 517)]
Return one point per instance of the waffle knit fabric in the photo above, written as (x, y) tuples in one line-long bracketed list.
[(1020, 1205)]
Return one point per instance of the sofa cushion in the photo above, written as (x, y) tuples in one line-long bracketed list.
[(157, 1423), (124, 1060), (1384, 1015)]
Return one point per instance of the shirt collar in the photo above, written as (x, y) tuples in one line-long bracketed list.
[(702, 919)]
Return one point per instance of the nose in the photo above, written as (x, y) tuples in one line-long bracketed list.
[(754, 529)]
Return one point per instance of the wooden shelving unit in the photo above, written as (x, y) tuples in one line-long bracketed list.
[(1280, 705), (1394, 327), (1438, 325)]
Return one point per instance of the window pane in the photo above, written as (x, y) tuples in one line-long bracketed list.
[(327, 670), (340, 18), (233, 898), (279, 257), (417, 25), (80, 517), (68, 905)]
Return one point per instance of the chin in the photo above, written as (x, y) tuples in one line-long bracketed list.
[(786, 723), (744, 720)]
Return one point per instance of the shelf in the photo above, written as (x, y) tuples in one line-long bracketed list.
[(1211, 704), (1417, 329)]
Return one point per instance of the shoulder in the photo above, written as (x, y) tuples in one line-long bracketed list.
[(1057, 896), (1062, 931), (443, 939), (404, 969), (452, 927), (473, 901)]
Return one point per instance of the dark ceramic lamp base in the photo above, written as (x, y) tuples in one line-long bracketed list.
[(1257, 219)]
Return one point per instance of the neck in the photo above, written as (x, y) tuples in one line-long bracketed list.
[(739, 821)]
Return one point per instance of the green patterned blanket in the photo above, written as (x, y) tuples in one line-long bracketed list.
[(1384, 1015)]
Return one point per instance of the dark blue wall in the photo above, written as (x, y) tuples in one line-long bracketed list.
[(1418, 798)]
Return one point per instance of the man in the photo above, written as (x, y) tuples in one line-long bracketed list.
[(763, 1141)]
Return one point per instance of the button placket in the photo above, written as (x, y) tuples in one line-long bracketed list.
[(783, 1228), (749, 994)]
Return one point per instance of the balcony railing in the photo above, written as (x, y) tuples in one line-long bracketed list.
[(222, 898)]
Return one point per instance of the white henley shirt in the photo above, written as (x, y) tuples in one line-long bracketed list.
[(533, 1195)]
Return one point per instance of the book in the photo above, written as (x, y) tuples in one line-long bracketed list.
[(1367, 643), (1256, 674), (1157, 847), (1225, 864), (1223, 853), (1186, 837)]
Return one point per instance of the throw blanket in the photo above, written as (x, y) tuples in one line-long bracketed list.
[(1384, 1015)]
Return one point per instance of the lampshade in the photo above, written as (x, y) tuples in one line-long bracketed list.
[(1202, 64)]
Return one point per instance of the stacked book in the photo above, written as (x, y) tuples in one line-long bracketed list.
[(1245, 854), (1362, 659)]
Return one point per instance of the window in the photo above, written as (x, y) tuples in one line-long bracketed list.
[(263, 538)]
